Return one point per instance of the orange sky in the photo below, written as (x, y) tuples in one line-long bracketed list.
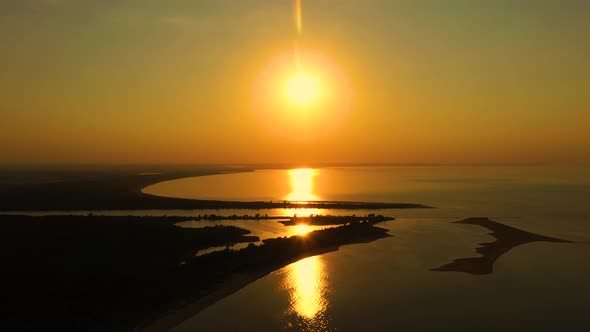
[(204, 82)]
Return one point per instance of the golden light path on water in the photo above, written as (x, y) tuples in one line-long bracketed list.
[(302, 190), (307, 284), (302, 185), (306, 280)]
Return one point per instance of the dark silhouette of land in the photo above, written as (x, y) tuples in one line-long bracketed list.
[(506, 238), (326, 220), (315, 220), (121, 189), (99, 273), (75, 273), (237, 269)]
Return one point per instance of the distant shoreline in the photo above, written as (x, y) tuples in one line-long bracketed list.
[(116, 191)]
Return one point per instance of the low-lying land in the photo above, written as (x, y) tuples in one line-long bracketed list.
[(81, 273), (506, 238), (232, 270), (98, 273), (102, 189), (313, 220), (122, 190), (327, 220)]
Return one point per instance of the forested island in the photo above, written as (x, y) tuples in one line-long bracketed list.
[(326, 220)]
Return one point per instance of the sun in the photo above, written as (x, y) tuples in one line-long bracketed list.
[(303, 98), (302, 89)]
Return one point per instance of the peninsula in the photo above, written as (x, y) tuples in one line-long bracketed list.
[(121, 189), (506, 238)]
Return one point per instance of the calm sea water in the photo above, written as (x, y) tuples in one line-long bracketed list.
[(387, 285)]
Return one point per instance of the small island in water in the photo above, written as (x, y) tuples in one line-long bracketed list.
[(327, 220), (506, 238)]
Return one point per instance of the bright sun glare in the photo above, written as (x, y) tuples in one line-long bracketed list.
[(302, 185), (302, 229), (302, 89), (302, 99)]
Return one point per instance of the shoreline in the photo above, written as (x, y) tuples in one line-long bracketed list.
[(507, 238), (120, 192), (139, 273), (233, 284)]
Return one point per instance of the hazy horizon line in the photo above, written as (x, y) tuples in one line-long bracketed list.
[(267, 165)]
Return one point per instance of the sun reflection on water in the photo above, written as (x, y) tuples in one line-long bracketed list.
[(302, 185), (302, 229), (307, 284)]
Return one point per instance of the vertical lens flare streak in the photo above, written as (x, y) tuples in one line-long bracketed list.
[(301, 94), (297, 15)]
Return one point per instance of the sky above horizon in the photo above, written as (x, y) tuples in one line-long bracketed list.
[(194, 81)]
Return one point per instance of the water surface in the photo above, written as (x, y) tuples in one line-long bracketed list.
[(387, 285)]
